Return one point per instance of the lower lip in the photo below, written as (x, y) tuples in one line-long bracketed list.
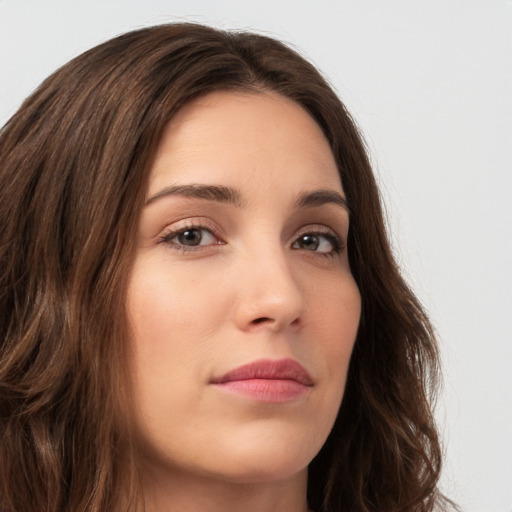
[(266, 390)]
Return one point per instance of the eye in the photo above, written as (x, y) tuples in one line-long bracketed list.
[(324, 243), (194, 236), (189, 238)]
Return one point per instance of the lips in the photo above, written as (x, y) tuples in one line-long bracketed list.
[(267, 380)]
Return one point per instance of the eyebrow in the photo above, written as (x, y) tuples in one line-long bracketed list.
[(209, 192), (232, 196), (321, 197)]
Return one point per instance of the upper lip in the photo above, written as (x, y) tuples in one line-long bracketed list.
[(282, 369)]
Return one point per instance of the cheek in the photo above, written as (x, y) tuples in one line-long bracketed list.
[(172, 320), (336, 315), (336, 310), (167, 303)]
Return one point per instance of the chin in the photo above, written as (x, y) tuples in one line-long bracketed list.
[(258, 471), (264, 459), (261, 447)]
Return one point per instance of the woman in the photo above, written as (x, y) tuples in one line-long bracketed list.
[(200, 308)]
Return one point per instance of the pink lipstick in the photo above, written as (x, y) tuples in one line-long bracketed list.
[(267, 380)]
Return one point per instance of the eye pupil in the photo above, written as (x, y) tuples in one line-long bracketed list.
[(310, 242), (190, 237)]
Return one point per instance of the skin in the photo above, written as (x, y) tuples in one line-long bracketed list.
[(265, 280)]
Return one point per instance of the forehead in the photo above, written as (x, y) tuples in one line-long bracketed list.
[(235, 137)]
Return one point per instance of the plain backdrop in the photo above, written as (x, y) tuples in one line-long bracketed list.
[(430, 84)]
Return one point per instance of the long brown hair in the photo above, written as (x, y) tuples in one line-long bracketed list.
[(74, 163)]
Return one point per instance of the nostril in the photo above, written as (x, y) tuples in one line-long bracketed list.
[(272, 321), (261, 320)]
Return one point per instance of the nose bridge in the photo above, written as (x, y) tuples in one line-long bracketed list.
[(270, 293)]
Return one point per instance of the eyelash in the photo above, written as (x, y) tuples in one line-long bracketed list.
[(168, 236), (335, 240)]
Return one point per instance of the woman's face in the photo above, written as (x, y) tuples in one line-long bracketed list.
[(241, 301)]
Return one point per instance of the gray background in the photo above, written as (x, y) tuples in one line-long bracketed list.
[(430, 84)]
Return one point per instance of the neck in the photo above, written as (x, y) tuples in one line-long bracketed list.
[(179, 491)]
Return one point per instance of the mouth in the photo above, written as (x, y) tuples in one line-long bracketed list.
[(267, 380)]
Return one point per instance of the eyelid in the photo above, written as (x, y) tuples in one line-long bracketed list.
[(178, 227), (204, 223), (322, 230)]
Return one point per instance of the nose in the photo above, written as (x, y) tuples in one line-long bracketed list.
[(269, 294)]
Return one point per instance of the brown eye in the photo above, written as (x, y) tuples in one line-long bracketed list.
[(324, 243), (308, 242), (189, 237)]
